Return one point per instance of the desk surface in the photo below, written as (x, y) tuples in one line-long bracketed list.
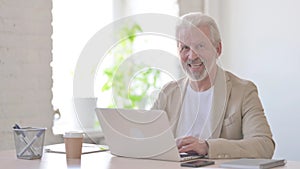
[(101, 160)]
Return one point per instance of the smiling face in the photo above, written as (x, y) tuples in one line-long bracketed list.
[(197, 53)]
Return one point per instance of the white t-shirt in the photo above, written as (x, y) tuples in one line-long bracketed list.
[(195, 113)]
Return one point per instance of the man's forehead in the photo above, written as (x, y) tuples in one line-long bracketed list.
[(193, 34)]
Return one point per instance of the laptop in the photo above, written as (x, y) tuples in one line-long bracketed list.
[(140, 134)]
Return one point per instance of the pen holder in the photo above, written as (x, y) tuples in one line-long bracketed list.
[(29, 142)]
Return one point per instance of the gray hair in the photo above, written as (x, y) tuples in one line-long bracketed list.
[(199, 19)]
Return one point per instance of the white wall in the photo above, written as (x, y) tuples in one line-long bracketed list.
[(25, 72), (261, 43)]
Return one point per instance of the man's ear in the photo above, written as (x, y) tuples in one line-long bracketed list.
[(219, 48)]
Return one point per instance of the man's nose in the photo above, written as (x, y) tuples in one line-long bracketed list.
[(192, 54)]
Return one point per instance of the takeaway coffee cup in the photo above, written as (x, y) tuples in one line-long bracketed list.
[(73, 144)]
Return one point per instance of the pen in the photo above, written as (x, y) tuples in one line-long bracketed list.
[(31, 142)]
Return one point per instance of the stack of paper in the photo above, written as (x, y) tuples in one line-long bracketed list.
[(253, 163)]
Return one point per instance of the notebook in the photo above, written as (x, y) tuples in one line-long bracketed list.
[(140, 134), (253, 163), (86, 148)]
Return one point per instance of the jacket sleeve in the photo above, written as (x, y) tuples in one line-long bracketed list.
[(160, 102), (256, 141)]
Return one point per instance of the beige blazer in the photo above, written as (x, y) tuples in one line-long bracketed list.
[(238, 126)]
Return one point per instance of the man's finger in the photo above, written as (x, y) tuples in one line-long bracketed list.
[(185, 149), (183, 142)]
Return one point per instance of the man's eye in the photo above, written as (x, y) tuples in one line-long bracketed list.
[(183, 48), (199, 46)]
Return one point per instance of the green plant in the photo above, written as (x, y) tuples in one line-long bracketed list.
[(132, 96)]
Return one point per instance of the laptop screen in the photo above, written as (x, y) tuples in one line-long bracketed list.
[(138, 133)]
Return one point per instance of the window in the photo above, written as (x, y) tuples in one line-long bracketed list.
[(74, 23), (72, 29)]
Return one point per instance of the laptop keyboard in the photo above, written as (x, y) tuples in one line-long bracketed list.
[(187, 156)]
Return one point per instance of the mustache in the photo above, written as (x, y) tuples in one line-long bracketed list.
[(194, 61)]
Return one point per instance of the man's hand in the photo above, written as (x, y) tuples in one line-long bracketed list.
[(192, 144)]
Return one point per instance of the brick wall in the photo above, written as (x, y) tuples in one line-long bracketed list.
[(25, 71)]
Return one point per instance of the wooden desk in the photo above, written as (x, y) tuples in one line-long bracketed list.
[(100, 160)]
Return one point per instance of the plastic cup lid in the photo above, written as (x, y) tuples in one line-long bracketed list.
[(73, 134)]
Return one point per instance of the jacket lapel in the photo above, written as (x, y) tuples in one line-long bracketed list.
[(181, 93), (222, 88)]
